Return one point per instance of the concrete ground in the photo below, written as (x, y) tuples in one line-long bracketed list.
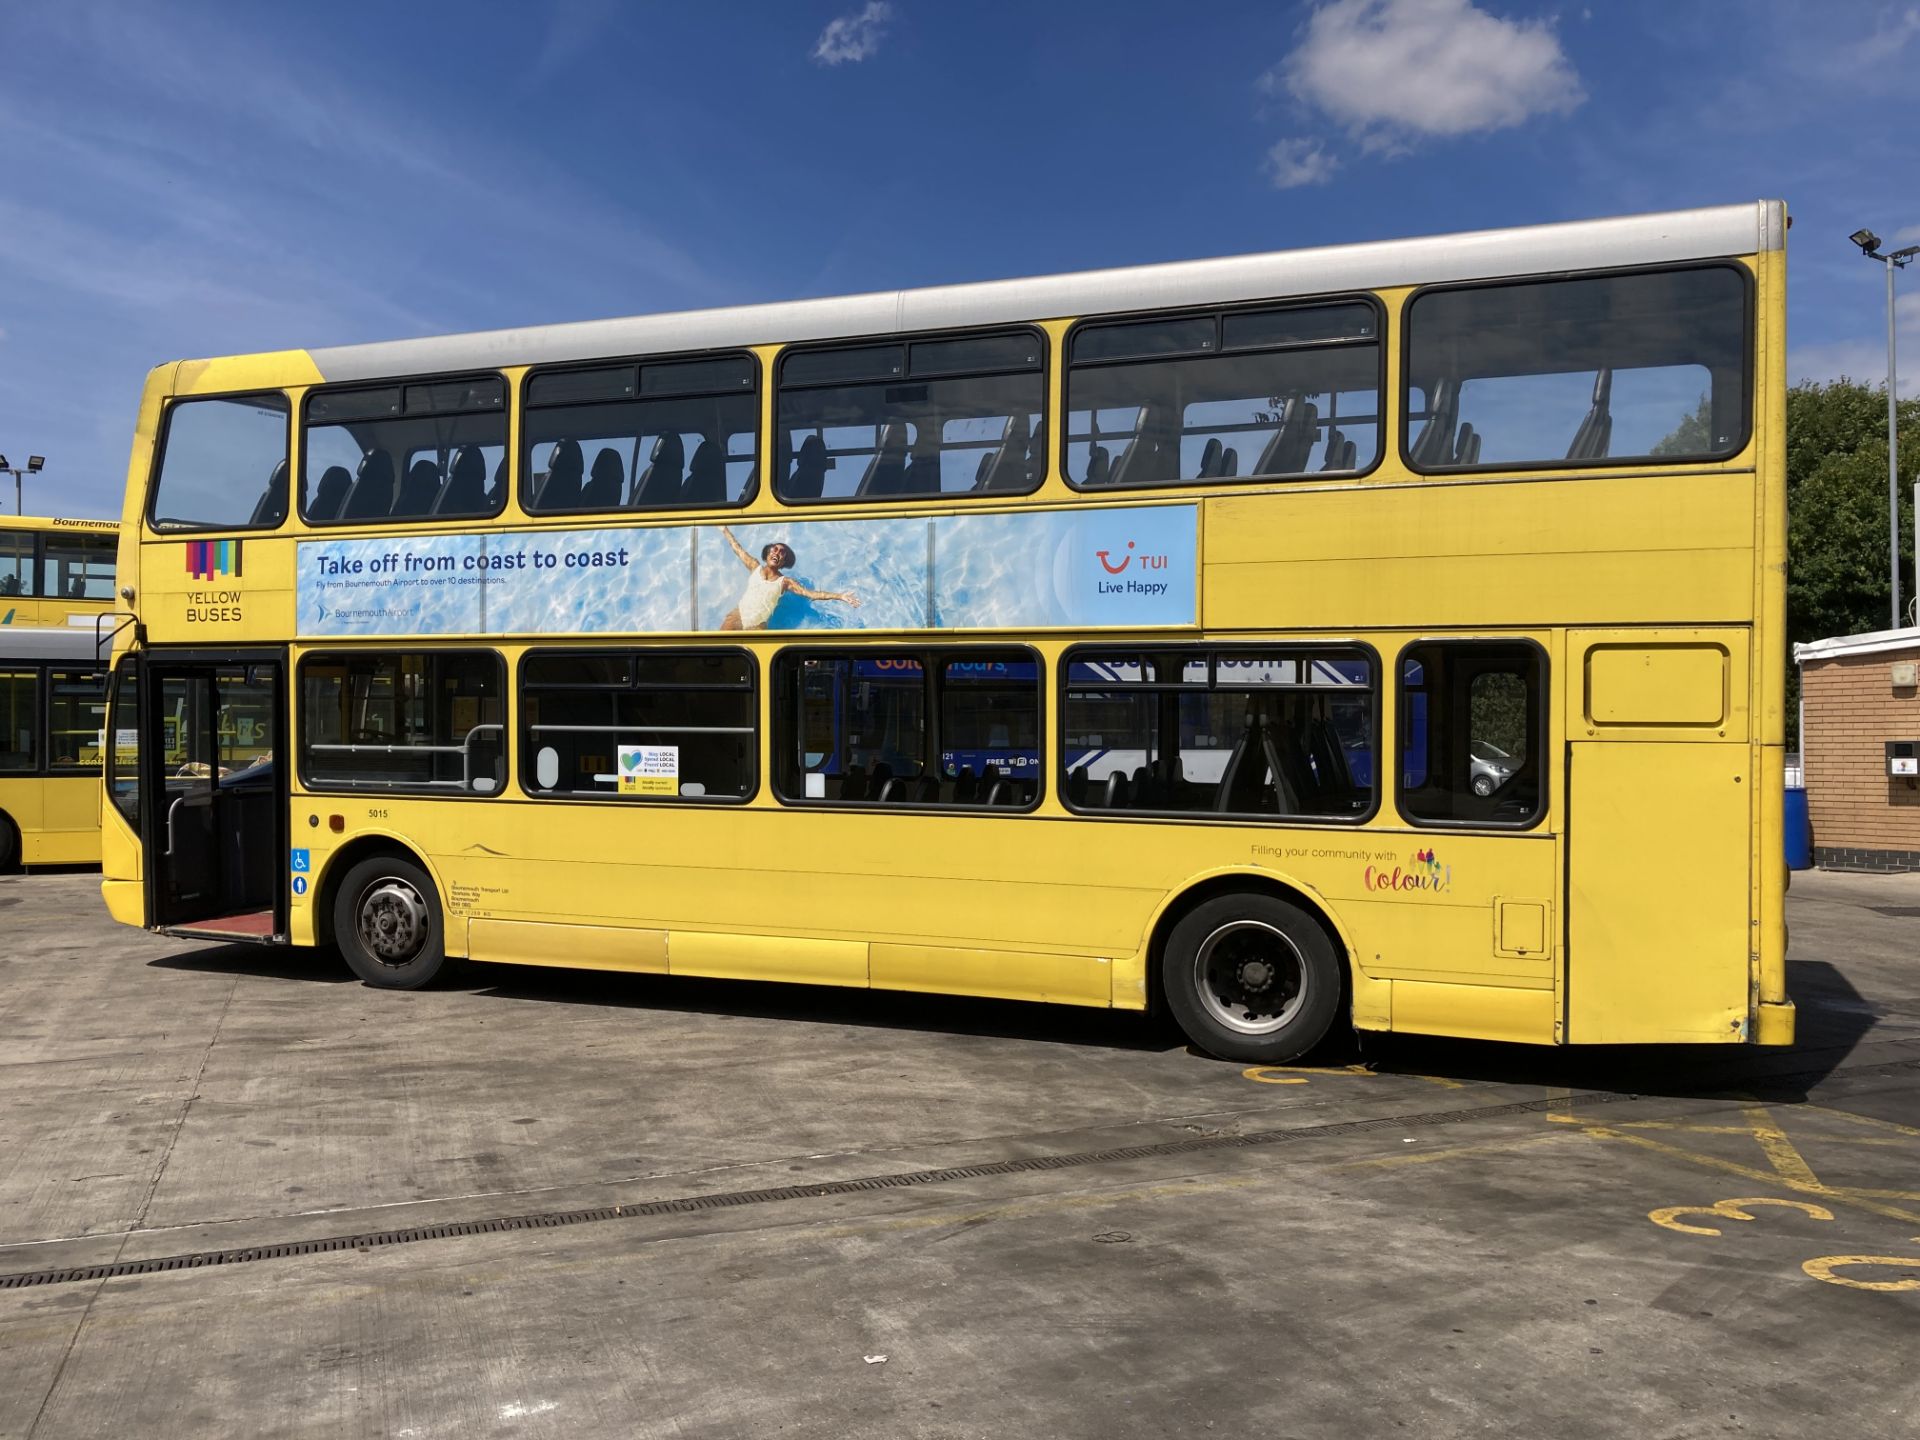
[(1070, 1224)]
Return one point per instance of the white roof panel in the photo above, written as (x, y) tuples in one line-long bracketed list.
[(1478, 255)]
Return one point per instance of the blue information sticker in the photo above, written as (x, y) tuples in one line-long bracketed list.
[(301, 862), (299, 884)]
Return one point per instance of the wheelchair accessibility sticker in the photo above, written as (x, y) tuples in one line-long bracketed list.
[(302, 863)]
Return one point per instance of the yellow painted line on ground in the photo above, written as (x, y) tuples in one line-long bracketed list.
[(1824, 1267), (1427, 1157), (1284, 1075), (1749, 1172), (1779, 1150), (1872, 1120), (1668, 1216)]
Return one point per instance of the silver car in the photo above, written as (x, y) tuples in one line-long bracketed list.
[(1491, 767)]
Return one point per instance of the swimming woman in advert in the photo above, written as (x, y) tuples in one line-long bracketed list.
[(766, 584)]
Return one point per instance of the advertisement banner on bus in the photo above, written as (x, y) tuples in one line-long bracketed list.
[(1116, 567)]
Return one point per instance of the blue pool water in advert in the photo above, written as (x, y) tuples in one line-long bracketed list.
[(1050, 569)]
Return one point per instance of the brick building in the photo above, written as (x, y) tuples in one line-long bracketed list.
[(1857, 694)]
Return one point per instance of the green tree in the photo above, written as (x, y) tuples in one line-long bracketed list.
[(1693, 435), (1837, 513)]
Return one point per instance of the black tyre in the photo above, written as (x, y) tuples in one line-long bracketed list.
[(1483, 785), (9, 844), (386, 921), (1252, 978)]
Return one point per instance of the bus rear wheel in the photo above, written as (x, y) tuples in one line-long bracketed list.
[(386, 920), (9, 843), (1252, 978)]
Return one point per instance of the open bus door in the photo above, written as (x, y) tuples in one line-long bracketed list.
[(214, 810)]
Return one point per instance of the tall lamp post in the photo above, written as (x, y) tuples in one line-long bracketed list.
[(35, 463), (1869, 244)]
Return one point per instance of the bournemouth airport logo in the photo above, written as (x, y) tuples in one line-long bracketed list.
[(208, 558)]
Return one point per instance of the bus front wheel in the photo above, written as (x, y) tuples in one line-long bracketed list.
[(1252, 978), (9, 843), (386, 919)]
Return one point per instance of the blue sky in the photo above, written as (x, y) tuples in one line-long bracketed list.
[(187, 179)]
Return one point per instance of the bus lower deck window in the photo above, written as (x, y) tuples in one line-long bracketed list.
[(639, 724), (909, 727), (1249, 732)]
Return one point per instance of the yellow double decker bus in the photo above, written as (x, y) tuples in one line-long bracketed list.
[(1387, 635), (56, 571), (53, 710)]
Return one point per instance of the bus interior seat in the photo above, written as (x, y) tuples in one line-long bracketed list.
[(1077, 787), (1591, 440), (927, 792), (9, 584), (605, 481), (371, 497), (419, 490), (1099, 466), (1336, 449), (1008, 468), (329, 493), (465, 492), (1154, 455), (1286, 452), (1037, 453), (271, 507), (495, 497), (922, 473), (1210, 457), (1146, 789), (853, 783), (706, 482), (810, 466), (1229, 463), (1431, 446), (659, 483), (1466, 450), (995, 789), (888, 468), (565, 467), (966, 786), (1115, 796), (76, 589)]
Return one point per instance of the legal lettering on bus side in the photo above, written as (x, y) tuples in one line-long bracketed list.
[(213, 607)]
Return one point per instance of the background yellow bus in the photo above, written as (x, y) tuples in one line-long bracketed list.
[(53, 710), (56, 571), (1388, 633)]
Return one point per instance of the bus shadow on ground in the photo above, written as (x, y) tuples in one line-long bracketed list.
[(1832, 1019), (828, 1005), (269, 962)]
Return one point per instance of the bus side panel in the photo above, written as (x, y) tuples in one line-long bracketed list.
[(22, 802), (1657, 893), (70, 820)]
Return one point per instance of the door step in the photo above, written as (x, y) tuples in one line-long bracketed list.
[(256, 927)]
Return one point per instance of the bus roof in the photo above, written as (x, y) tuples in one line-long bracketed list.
[(1681, 235), (41, 644)]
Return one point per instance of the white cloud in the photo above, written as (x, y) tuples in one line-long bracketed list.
[(1864, 361), (1906, 235), (1300, 162), (1393, 72), (853, 37)]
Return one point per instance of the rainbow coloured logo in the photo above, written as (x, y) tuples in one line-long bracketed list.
[(208, 558)]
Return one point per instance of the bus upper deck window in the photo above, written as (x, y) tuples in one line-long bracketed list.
[(943, 415), (222, 464), (656, 435), (431, 449), (1234, 395), (1583, 370)]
